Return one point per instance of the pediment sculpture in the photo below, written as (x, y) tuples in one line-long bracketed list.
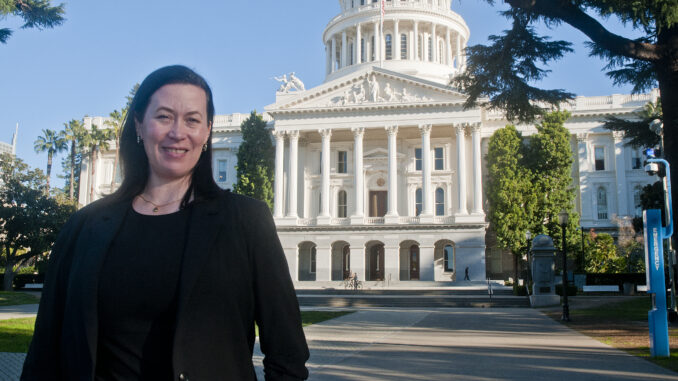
[(291, 83), (371, 91)]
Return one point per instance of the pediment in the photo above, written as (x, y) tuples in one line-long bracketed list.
[(370, 88), (377, 153)]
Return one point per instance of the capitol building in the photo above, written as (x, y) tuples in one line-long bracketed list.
[(379, 171)]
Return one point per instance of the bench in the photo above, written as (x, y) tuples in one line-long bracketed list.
[(601, 288), (33, 285)]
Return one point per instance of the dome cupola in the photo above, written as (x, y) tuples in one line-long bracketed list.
[(423, 38)]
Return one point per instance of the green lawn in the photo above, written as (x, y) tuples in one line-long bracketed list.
[(15, 334), (12, 298), (623, 325)]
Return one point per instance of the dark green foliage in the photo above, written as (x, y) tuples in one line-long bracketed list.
[(29, 218), (52, 142), (529, 183), (637, 132), (255, 160), (505, 70), (38, 14)]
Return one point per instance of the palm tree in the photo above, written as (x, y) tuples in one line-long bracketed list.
[(51, 142), (115, 124), (93, 141), (74, 131)]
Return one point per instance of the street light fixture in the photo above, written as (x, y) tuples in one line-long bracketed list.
[(562, 220)]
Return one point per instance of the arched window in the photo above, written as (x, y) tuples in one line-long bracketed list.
[(440, 202), (448, 254), (350, 54), (341, 204), (602, 203), (389, 47), (403, 46), (312, 259), (373, 50), (417, 202)]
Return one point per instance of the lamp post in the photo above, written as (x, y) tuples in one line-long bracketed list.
[(528, 237), (562, 219)]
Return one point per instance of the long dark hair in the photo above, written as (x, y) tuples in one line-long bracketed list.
[(133, 159)]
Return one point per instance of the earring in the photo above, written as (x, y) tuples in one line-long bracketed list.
[(204, 147), (139, 139)]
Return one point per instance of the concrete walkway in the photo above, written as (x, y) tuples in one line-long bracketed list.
[(20, 311), (450, 344)]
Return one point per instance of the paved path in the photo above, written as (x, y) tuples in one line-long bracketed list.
[(20, 311), (452, 344)]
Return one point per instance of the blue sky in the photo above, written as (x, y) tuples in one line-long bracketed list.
[(88, 65)]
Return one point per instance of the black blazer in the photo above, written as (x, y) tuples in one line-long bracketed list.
[(234, 274)]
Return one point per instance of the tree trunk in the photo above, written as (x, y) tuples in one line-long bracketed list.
[(9, 275), (667, 75), (49, 167), (72, 168), (515, 269)]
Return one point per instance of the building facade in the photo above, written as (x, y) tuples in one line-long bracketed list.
[(380, 169)]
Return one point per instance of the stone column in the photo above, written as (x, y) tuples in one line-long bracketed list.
[(415, 41), (391, 263), (458, 53), (426, 263), (334, 54), (328, 59), (582, 165), (434, 44), (477, 171), (392, 172), (358, 174), (279, 173), (358, 45), (357, 260), (395, 42), (294, 164), (425, 130), (377, 42), (323, 262), (461, 169), (620, 171), (325, 165), (448, 48), (343, 49)]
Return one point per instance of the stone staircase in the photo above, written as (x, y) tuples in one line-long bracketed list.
[(411, 298)]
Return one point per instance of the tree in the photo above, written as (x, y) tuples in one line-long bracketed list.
[(529, 183), (602, 255), (29, 218), (504, 70), (255, 160), (509, 191), (38, 14), (637, 132), (549, 158), (74, 131), (51, 142)]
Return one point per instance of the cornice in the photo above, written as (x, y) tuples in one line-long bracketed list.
[(360, 228)]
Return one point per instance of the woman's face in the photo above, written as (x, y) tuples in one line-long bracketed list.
[(174, 129)]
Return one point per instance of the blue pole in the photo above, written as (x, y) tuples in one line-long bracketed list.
[(654, 263)]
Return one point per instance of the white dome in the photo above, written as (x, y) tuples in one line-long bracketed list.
[(435, 54)]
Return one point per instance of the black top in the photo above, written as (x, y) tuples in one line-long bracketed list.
[(137, 297)]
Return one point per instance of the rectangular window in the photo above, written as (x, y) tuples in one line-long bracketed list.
[(221, 171), (389, 47), (439, 161), (449, 258), (342, 165), (599, 153), (636, 161), (417, 159), (313, 260), (403, 47)]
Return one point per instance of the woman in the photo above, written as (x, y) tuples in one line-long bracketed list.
[(165, 278)]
